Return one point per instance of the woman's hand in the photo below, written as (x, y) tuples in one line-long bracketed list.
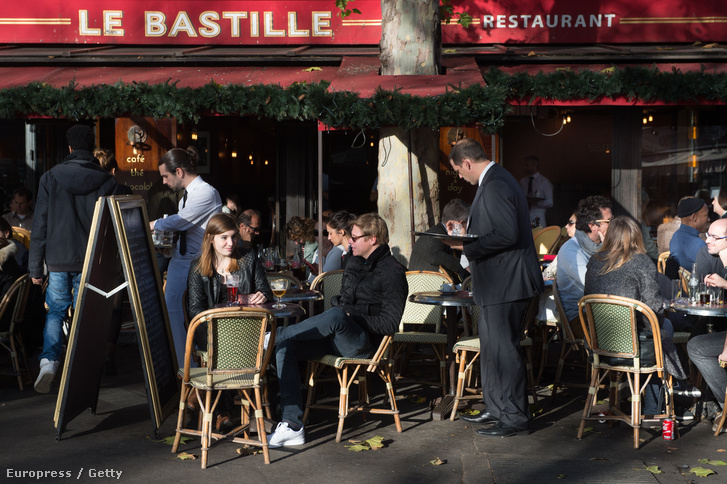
[(257, 298), (715, 280)]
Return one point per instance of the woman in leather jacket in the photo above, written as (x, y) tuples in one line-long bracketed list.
[(220, 256)]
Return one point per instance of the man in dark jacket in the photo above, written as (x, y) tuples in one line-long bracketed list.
[(371, 303), (63, 214)]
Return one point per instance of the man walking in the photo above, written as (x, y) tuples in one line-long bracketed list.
[(199, 202), (499, 216), (64, 209)]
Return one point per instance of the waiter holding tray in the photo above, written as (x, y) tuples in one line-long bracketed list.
[(500, 220)]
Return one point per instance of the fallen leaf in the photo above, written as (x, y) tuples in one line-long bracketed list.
[(601, 402), (358, 447), (311, 69), (471, 411), (248, 450), (185, 456), (437, 461), (653, 469), (560, 476), (416, 399), (376, 443), (170, 440), (721, 450), (588, 429), (701, 471), (713, 462)]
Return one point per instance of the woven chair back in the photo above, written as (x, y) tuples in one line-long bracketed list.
[(329, 284), (419, 314)]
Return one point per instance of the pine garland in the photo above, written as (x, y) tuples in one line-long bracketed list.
[(484, 104)]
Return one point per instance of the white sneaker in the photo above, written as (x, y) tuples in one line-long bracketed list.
[(284, 436), (47, 373)]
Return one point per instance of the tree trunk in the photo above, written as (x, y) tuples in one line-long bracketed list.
[(411, 37), (411, 44), (394, 194)]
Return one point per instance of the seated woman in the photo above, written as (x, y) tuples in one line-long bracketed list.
[(339, 233), (622, 268), (206, 288), (300, 230), (221, 256)]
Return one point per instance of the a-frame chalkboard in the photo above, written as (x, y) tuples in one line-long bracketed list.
[(119, 239)]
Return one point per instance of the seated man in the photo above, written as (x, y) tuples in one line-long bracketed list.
[(592, 218), (708, 350), (248, 222), (371, 303), (430, 252), (21, 215), (685, 243)]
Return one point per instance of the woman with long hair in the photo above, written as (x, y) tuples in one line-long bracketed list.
[(622, 268), (221, 256)]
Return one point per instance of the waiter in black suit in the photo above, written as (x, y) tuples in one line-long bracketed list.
[(504, 251)]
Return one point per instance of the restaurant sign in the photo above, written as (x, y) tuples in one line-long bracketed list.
[(302, 22)]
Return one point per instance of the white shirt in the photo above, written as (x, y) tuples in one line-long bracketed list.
[(463, 259), (203, 201), (542, 188)]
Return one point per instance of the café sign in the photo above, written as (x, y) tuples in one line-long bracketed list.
[(298, 22)]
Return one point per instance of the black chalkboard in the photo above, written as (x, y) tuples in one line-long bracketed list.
[(119, 239)]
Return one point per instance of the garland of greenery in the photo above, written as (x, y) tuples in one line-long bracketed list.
[(482, 104)]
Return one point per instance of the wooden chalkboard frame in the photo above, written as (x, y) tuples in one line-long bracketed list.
[(119, 239)]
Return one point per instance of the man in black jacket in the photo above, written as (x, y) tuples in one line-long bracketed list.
[(371, 303), (63, 214)]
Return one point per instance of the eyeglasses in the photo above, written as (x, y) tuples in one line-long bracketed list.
[(608, 221), (354, 238), (255, 230), (714, 237), (315, 233), (571, 222)]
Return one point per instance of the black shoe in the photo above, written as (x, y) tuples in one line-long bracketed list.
[(501, 430), (482, 417)]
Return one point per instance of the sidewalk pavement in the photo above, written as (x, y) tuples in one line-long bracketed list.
[(118, 443)]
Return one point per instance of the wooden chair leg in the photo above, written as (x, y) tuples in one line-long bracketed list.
[(720, 424), (262, 435), (311, 371), (592, 391), (206, 436), (462, 357), (180, 417), (342, 402)]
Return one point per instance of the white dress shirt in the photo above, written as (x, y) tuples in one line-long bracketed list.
[(542, 188)]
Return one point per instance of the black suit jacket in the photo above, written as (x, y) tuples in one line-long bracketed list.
[(503, 260)]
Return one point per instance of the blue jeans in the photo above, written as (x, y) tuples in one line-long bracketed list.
[(61, 293), (332, 332), (703, 351)]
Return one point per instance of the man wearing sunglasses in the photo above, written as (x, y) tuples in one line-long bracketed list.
[(249, 225)]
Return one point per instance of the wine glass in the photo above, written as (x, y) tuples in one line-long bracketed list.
[(279, 287), (232, 281)]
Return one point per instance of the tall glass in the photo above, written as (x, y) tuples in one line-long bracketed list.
[(279, 288), (232, 281)]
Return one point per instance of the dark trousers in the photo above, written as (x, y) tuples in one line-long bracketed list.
[(331, 332), (704, 351), (504, 377)]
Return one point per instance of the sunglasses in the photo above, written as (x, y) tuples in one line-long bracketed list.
[(571, 222), (354, 238), (315, 233), (255, 230)]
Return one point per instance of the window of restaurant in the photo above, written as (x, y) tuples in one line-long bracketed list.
[(684, 152)]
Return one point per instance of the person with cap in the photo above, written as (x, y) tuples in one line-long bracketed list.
[(686, 242)]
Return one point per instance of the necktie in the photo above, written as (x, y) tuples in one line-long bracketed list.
[(530, 186), (183, 234)]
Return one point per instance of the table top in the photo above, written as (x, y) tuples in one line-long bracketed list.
[(701, 309), (290, 310), (457, 298), (295, 295)]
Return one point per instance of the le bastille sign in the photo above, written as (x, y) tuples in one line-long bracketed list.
[(301, 22)]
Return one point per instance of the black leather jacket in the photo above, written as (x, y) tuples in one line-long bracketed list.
[(205, 292), (373, 291)]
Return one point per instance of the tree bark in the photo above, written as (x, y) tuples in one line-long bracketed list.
[(411, 37), (394, 195)]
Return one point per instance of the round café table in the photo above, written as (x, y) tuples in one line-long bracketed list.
[(300, 295), (713, 310), (450, 301), (289, 311)]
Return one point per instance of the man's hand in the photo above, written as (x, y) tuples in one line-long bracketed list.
[(715, 280), (38, 281), (151, 224)]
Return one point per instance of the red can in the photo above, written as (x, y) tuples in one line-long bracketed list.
[(667, 429)]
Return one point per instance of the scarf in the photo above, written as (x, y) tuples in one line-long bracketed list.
[(585, 242)]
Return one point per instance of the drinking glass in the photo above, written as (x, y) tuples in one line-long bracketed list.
[(705, 295), (232, 281), (279, 287)]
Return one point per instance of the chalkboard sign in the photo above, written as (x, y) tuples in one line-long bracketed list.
[(119, 238)]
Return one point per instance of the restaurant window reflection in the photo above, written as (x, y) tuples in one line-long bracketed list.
[(684, 152)]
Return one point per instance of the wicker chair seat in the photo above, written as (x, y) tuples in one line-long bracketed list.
[(339, 361), (420, 337)]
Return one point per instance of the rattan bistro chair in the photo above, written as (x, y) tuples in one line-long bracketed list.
[(569, 342), (416, 319), (329, 284), (349, 371), (610, 326), (12, 308), (236, 360)]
